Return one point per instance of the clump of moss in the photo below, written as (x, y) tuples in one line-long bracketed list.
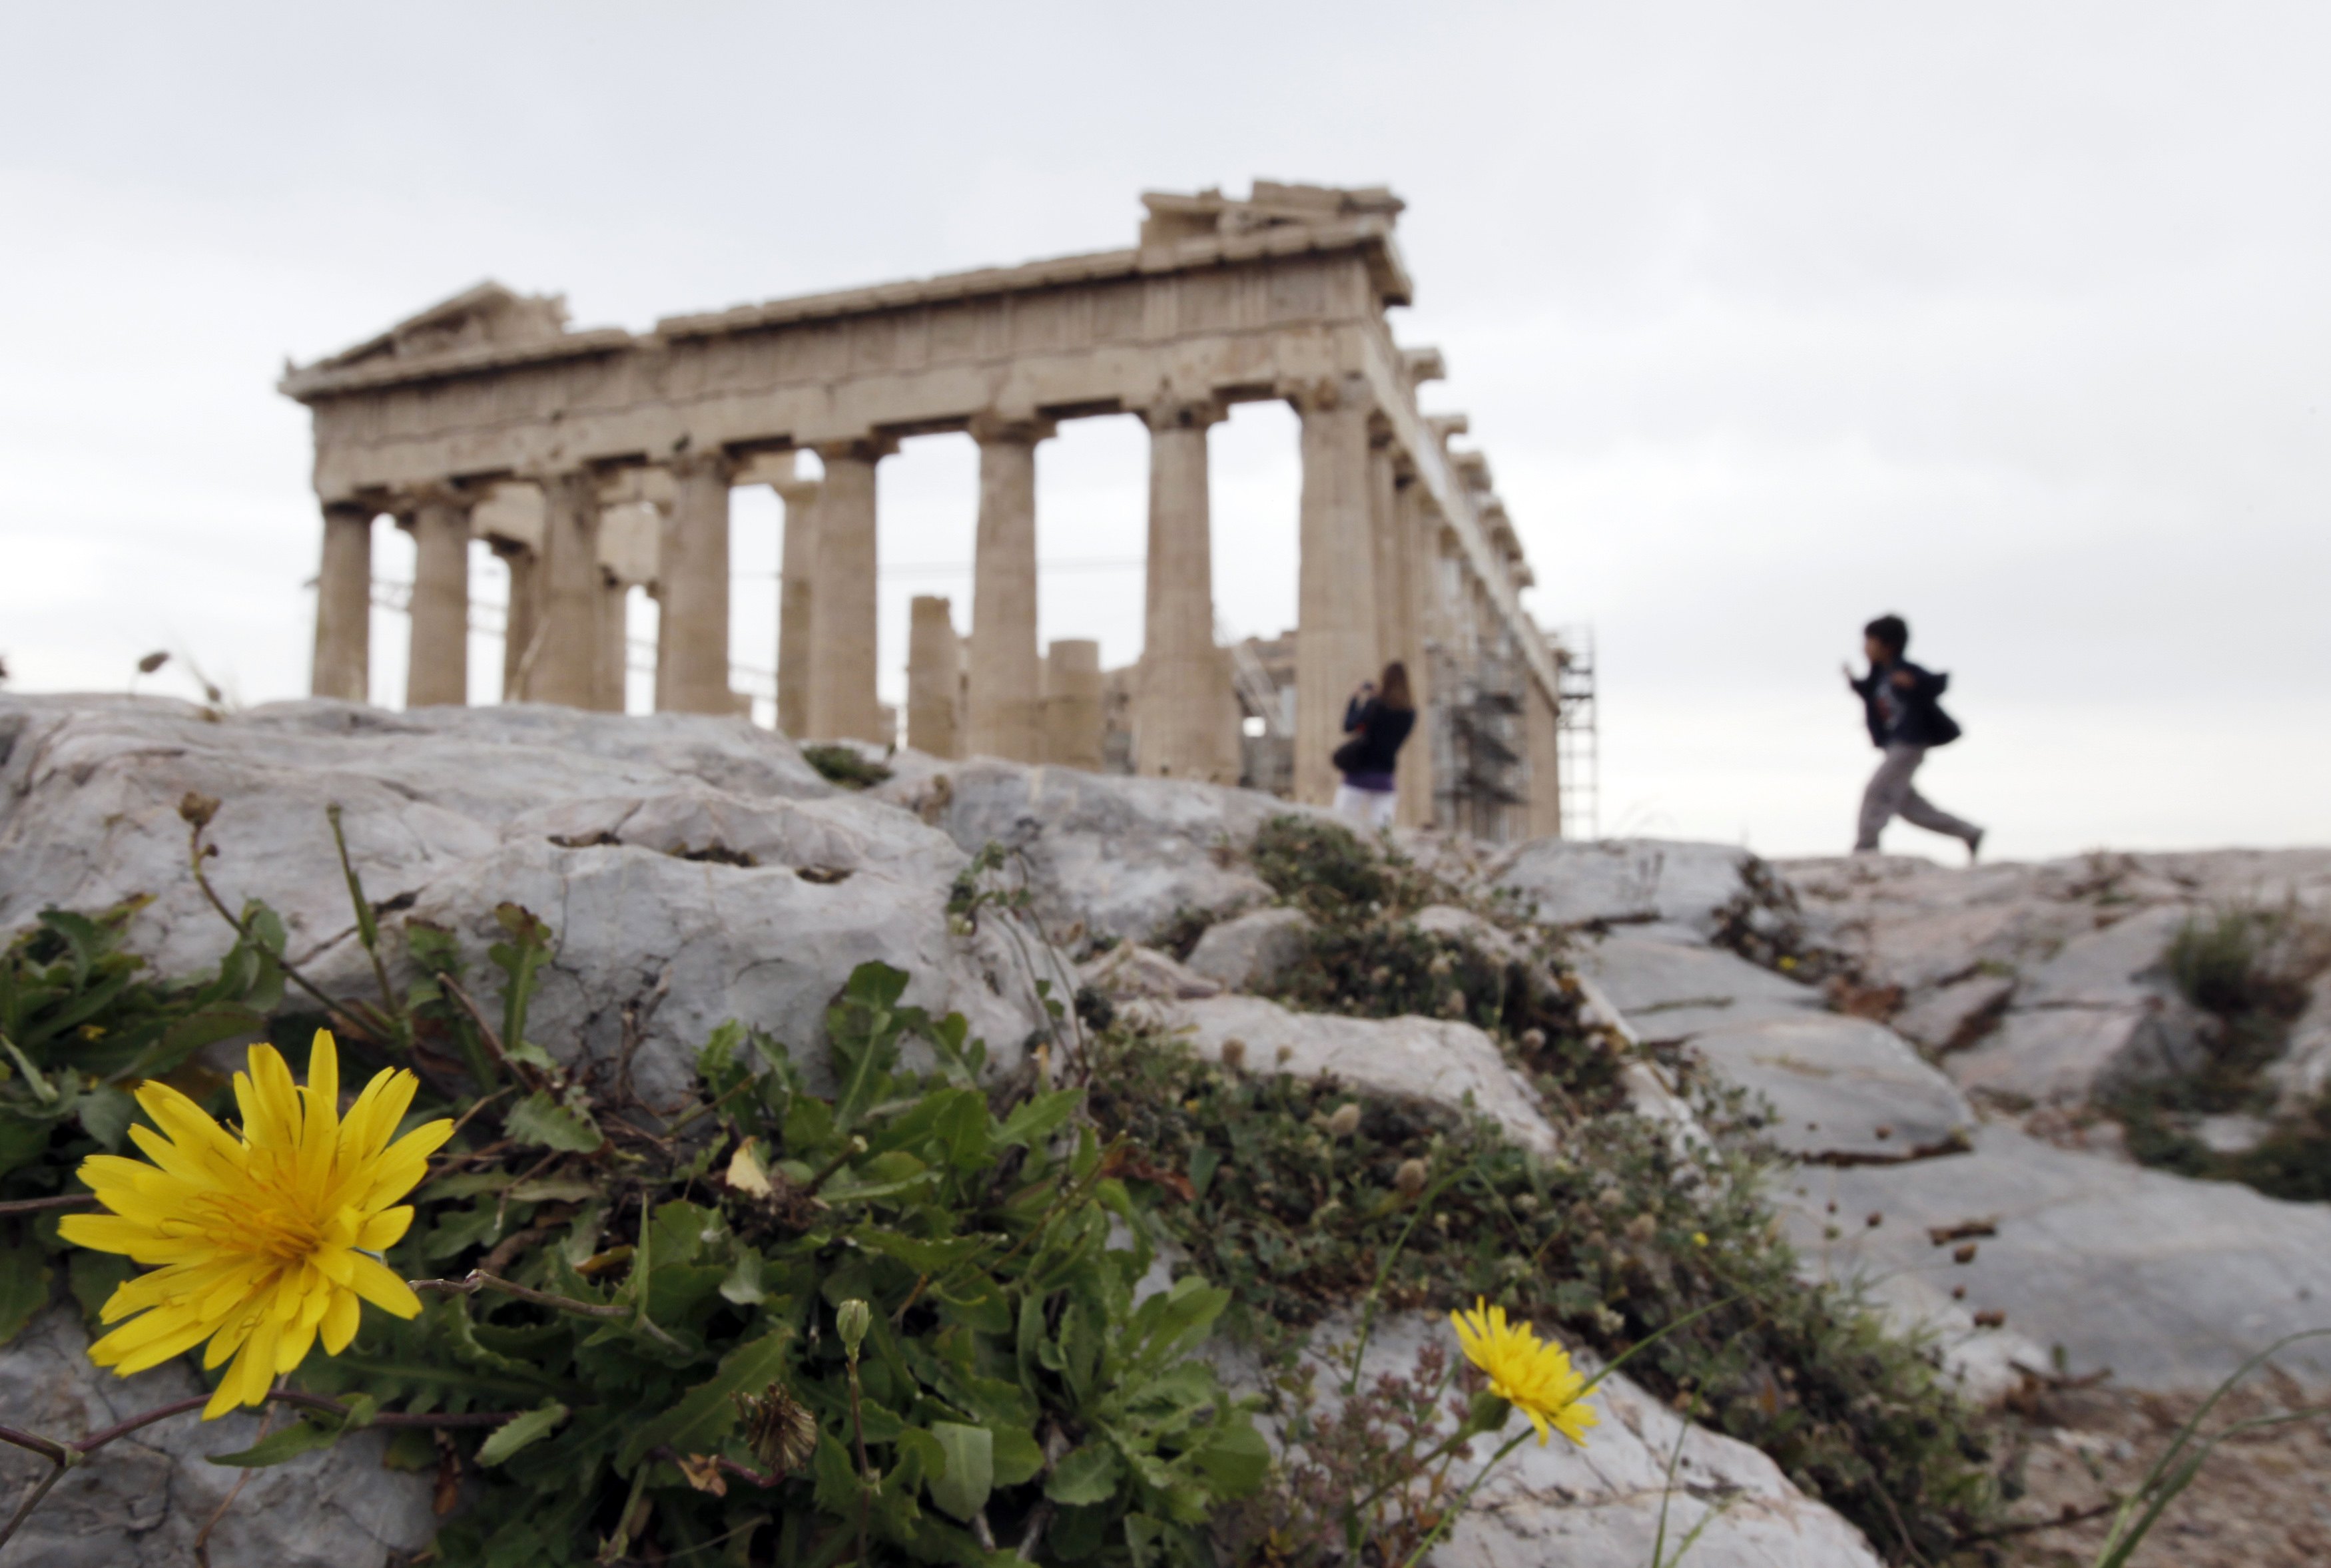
[(1298, 1203), (839, 765)]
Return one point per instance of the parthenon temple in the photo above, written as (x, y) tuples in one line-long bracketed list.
[(594, 461)]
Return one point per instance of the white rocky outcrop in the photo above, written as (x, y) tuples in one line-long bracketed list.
[(690, 870), (1431, 1061)]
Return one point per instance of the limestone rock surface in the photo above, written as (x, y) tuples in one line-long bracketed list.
[(1622, 881), (90, 789), (140, 1501), (1672, 990), (2169, 1282), (1843, 1089), (1426, 1059), (1108, 855), (1249, 951)]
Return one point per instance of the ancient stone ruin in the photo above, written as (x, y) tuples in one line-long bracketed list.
[(594, 461)]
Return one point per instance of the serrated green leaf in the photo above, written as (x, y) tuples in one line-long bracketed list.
[(513, 1435), (970, 1475), (542, 1122), (1038, 1116)]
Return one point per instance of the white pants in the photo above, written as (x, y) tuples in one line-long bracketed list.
[(1369, 808)]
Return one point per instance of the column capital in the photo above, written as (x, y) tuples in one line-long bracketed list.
[(435, 493), (991, 426), (1328, 394), (1168, 411), (871, 447), (691, 462), (797, 492)]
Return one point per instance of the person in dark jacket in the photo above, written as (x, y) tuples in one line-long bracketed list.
[(1376, 720), (1898, 701)]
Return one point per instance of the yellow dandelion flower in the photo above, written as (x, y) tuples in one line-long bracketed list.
[(1535, 1379), (262, 1236)]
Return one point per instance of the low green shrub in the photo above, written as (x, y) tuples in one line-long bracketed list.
[(843, 766)]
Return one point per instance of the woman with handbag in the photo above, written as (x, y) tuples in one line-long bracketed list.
[(1375, 721)]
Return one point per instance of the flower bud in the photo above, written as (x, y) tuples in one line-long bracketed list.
[(850, 1321), (1411, 1177), (1488, 1412), (197, 809), (1345, 1121)]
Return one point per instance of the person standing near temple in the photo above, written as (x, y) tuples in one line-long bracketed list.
[(1898, 701), (1376, 720)]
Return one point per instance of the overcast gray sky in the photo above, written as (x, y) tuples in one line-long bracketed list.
[(2014, 318)]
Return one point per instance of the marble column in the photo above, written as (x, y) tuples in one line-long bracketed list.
[(437, 669), (1176, 707), (843, 705), (1004, 714), (795, 619), (1072, 704), (1384, 540), (343, 666), (1417, 558), (523, 618), (691, 672), (1335, 589), (934, 677), (611, 677), (1544, 813), (565, 656)]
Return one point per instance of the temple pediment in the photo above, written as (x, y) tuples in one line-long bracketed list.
[(485, 315)]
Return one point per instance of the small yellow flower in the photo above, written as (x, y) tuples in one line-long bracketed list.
[(1535, 1379), (1700, 1237), (262, 1236)]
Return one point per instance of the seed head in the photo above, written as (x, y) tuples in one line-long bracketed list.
[(1345, 1121)]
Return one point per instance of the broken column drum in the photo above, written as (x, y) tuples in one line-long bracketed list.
[(1281, 295)]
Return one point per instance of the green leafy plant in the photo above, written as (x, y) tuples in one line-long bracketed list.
[(843, 766)]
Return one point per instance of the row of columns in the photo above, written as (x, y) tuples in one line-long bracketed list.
[(1370, 552)]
